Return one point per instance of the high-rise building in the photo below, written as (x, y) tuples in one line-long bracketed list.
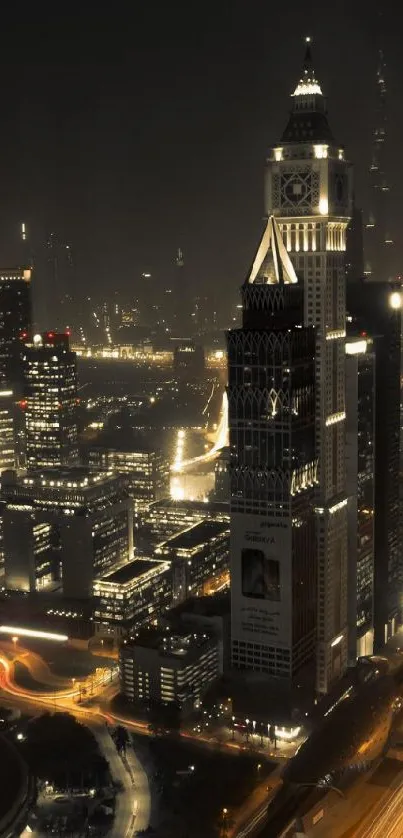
[(63, 528), (273, 469), (15, 325), (309, 191), (182, 325), (360, 484), (50, 401), (146, 469), (376, 310), (7, 442), (61, 278), (378, 238)]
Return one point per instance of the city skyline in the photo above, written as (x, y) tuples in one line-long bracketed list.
[(130, 159)]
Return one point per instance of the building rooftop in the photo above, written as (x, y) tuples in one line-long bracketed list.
[(124, 441), (74, 477), (217, 605), (191, 505), (133, 570), (176, 645), (196, 536)]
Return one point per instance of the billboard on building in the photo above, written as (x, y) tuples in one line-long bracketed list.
[(260, 575), (261, 578)]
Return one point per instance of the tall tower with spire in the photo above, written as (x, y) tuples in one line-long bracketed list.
[(378, 239), (309, 191), (273, 469)]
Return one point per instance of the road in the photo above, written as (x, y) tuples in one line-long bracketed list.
[(387, 822), (133, 802), (128, 801)]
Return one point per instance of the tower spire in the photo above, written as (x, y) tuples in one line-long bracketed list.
[(308, 84)]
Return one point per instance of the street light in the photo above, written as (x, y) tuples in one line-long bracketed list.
[(224, 821), (15, 640)]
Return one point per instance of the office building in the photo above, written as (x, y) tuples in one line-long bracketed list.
[(165, 669), (62, 528), (199, 558), (309, 191), (375, 309), (168, 516), (360, 485), (146, 469), (7, 442), (50, 402), (273, 469), (133, 595), (15, 325)]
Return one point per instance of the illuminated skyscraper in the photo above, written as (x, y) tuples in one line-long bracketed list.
[(376, 310), (308, 190), (360, 472), (50, 401), (273, 469)]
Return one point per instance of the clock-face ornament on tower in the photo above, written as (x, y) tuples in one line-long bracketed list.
[(299, 191)]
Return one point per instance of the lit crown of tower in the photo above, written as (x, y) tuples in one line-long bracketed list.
[(272, 263), (308, 119)]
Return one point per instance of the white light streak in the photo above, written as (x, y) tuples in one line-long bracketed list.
[(24, 632)]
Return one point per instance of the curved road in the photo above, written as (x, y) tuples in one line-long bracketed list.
[(133, 804)]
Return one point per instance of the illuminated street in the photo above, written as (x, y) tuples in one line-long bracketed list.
[(387, 821)]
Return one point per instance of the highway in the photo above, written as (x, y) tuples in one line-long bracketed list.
[(221, 441), (388, 820)]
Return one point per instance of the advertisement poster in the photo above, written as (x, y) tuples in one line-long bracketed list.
[(261, 563)]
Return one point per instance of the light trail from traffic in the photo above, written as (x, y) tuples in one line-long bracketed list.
[(388, 821), (221, 441), (41, 635), (76, 692)]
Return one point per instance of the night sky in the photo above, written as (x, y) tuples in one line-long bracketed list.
[(132, 128)]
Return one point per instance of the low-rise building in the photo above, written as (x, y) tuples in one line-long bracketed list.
[(64, 527), (200, 559), (165, 669), (206, 615), (131, 596)]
